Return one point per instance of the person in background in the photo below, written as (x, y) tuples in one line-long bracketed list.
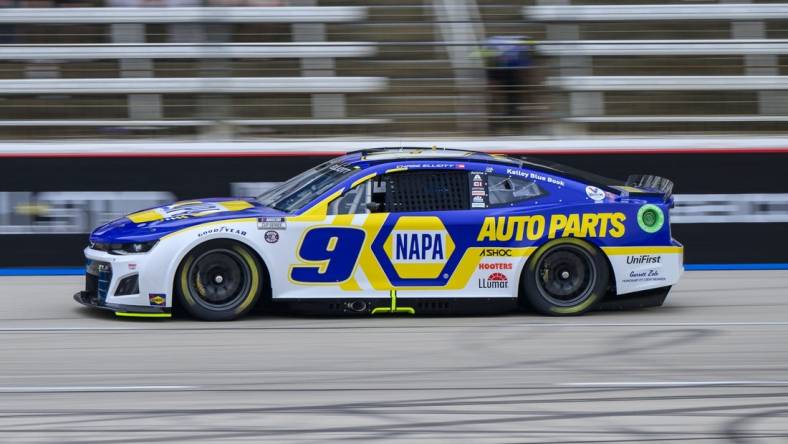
[(508, 62), (8, 32)]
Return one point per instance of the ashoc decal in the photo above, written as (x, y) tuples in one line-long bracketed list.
[(495, 252)]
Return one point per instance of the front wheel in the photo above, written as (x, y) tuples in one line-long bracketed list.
[(565, 277), (219, 281)]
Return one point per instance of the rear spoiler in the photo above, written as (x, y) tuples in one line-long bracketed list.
[(647, 185)]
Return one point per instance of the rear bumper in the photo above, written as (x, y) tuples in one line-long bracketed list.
[(641, 268)]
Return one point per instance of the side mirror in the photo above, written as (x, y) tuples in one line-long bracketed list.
[(374, 207)]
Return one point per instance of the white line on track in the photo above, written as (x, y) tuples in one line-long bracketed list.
[(95, 388), (23, 329), (670, 383), (409, 325)]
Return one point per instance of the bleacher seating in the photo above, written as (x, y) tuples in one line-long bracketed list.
[(661, 47), (593, 72), (624, 12), (186, 51), (204, 81), (193, 85), (389, 67), (237, 14)]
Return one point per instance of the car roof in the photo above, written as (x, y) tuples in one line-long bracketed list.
[(389, 154), (428, 153)]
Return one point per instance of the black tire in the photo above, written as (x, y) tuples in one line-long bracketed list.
[(219, 281), (565, 277)]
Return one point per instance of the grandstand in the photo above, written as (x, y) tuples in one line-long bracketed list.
[(705, 67), (389, 67)]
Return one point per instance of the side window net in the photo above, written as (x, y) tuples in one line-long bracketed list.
[(427, 191), (352, 202), (506, 190)]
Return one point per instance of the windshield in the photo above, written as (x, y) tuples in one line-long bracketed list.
[(293, 194)]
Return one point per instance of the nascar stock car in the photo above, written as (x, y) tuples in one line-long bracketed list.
[(397, 230)]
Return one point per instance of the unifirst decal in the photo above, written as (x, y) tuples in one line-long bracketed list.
[(535, 227)]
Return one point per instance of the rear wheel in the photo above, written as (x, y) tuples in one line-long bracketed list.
[(219, 281), (565, 277)]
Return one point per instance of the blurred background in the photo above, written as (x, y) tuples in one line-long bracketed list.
[(110, 106)]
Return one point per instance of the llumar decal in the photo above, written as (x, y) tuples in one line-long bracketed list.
[(536, 227)]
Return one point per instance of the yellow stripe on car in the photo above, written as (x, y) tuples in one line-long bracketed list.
[(236, 205), (318, 211), (208, 224), (255, 278), (142, 315), (617, 251), (363, 179), (145, 216)]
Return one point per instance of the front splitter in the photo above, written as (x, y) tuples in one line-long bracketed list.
[(89, 300)]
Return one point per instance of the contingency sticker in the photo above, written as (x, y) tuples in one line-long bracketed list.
[(271, 223), (479, 198)]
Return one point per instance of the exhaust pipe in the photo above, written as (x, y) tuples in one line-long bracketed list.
[(357, 306)]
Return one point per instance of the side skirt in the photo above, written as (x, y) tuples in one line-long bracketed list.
[(420, 306), (642, 299)]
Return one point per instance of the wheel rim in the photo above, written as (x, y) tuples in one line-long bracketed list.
[(219, 278), (566, 275)]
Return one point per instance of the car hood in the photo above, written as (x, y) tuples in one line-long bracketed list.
[(154, 223)]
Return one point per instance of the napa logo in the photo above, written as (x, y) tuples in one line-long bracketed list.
[(419, 247)]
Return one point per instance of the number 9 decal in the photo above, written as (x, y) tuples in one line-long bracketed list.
[(328, 255)]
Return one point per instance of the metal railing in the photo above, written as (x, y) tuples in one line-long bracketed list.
[(624, 12)]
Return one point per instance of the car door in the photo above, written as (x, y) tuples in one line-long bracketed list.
[(405, 215), (409, 229)]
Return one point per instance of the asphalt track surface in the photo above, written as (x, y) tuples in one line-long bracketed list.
[(709, 366)]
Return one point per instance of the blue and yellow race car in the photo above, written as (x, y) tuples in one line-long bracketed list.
[(397, 230)]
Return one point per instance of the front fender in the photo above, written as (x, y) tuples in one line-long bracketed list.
[(166, 257)]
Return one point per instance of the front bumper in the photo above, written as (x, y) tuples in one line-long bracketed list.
[(90, 299), (107, 279)]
